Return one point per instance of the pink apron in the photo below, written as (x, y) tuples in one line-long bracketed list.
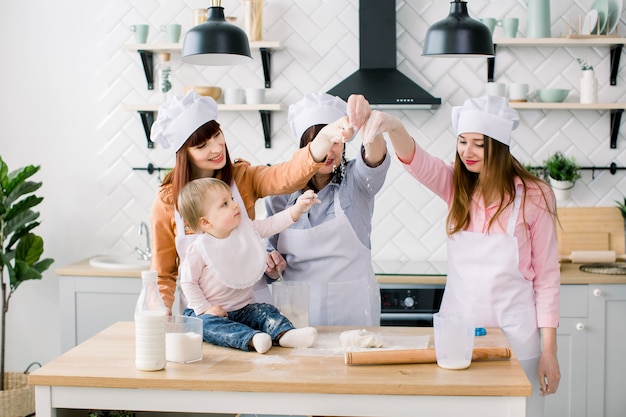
[(484, 278), (338, 268)]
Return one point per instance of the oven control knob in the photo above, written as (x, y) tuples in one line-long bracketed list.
[(409, 302)]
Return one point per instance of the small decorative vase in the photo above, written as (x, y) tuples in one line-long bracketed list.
[(588, 87), (539, 24), (562, 189), (253, 19)]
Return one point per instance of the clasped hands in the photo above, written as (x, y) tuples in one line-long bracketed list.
[(362, 118)]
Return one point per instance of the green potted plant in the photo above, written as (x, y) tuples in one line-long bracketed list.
[(20, 257), (562, 174)]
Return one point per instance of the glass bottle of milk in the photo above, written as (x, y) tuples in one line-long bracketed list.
[(150, 316)]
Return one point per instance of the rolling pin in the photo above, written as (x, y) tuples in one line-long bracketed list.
[(393, 357), (592, 256)]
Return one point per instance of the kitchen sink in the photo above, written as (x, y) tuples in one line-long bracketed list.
[(119, 262)]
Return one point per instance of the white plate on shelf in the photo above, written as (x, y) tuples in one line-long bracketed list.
[(602, 6), (615, 12), (590, 22)]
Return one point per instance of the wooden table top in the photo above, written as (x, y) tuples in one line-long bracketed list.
[(107, 360)]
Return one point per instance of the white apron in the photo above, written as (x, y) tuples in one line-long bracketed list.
[(261, 289), (484, 278), (338, 268)]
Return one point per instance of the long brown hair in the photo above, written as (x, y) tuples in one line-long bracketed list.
[(181, 173), (496, 182)]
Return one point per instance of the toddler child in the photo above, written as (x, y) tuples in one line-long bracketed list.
[(225, 260)]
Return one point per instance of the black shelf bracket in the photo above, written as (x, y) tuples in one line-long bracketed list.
[(616, 53), (147, 60), (266, 58), (267, 127), (616, 118), (491, 65), (147, 119)]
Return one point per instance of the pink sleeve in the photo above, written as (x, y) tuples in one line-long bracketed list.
[(273, 224), (545, 263), (190, 272), (432, 172)]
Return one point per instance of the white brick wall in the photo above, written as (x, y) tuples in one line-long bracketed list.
[(320, 41)]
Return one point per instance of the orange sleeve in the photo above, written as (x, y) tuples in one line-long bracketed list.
[(164, 256), (259, 181)]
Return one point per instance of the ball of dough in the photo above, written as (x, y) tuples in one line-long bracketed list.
[(360, 339)]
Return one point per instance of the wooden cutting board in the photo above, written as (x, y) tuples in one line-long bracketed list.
[(590, 228)]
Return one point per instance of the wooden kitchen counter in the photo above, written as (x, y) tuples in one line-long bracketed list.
[(84, 269), (570, 274), (100, 374)]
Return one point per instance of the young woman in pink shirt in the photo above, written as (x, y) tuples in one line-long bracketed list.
[(502, 247)]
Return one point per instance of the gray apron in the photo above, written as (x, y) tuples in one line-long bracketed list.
[(338, 267)]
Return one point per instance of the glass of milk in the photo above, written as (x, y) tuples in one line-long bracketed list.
[(454, 339), (183, 339)]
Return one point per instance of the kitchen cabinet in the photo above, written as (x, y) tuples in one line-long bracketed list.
[(614, 43), (591, 344), (91, 299), (147, 112)]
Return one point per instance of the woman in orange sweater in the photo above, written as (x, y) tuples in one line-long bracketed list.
[(187, 124)]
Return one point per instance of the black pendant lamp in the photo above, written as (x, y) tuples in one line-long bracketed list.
[(458, 35), (216, 42)]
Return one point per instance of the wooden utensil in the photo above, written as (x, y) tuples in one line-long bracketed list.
[(392, 357), (592, 256)]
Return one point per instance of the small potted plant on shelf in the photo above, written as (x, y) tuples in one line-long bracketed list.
[(588, 83), (20, 258), (562, 174)]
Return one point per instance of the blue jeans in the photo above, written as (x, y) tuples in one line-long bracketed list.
[(236, 330)]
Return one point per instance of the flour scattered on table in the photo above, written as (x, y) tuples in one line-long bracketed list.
[(360, 339)]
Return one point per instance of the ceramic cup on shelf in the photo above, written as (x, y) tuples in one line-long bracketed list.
[(141, 32), (519, 92), (510, 26), (172, 31), (255, 95), (490, 22), (495, 89), (234, 96)]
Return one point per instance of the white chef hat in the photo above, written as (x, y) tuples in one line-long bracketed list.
[(180, 116), (489, 115), (315, 109)]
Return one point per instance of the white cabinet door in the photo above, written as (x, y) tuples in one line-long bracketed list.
[(571, 398), (91, 304), (607, 350)]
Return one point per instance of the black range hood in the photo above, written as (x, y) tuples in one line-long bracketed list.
[(377, 78)]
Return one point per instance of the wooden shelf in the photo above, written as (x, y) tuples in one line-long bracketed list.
[(146, 52), (616, 110), (561, 42), (147, 114), (172, 47), (614, 43), (567, 106)]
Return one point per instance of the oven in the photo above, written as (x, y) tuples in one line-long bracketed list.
[(410, 292), (409, 304)]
